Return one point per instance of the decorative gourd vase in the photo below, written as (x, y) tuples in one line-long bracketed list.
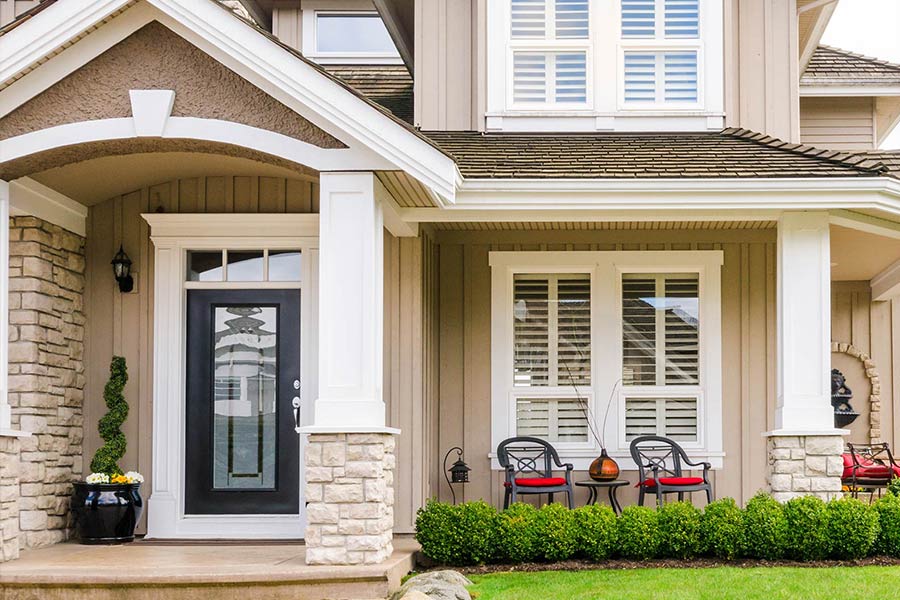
[(604, 468)]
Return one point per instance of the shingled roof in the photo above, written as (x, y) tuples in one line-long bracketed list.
[(833, 66), (736, 153), (391, 86), (887, 160)]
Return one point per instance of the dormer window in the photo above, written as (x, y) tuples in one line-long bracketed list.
[(549, 48), (588, 65)]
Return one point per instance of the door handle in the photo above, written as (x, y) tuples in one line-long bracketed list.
[(295, 403)]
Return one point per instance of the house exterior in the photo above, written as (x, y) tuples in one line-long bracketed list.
[(364, 233)]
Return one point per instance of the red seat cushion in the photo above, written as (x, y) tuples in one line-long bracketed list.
[(671, 481), (539, 482)]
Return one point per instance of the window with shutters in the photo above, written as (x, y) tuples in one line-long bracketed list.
[(607, 345), (661, 52), (549, 53)]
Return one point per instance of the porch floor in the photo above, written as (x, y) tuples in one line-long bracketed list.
[(198, 571)]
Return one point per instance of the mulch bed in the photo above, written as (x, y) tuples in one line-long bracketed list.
[(696, 563)]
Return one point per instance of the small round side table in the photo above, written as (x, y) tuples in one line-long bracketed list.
[(611, 487)]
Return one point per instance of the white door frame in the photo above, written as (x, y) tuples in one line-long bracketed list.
[(172, 236)]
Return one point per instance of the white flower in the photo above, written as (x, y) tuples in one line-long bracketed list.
[(135, 477), (97, 478)]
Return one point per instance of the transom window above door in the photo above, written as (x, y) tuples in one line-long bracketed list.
[(244, 265)]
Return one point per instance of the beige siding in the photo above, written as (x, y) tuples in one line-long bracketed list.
[(838, 123), (10, 9), (123, 323), (762, 88), (287, 25), (748, 286)]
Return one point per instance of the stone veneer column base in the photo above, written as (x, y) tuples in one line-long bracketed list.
[(350, 498), (9, 498), (805, 465)]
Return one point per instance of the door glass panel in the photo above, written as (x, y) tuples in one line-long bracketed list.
[(205, 266), (285, 265), (245, 265), (244, 394)]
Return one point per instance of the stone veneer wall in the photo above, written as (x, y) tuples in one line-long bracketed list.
[(9, 498), (46, 373), (805, 465), (350, 498)]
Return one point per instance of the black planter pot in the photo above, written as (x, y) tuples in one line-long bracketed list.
[(106, 513)]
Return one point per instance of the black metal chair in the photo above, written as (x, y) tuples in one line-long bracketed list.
[(868, 468), (528, 463), (660, 461)]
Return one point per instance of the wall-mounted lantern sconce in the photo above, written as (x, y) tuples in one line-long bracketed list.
[(458, 473), (121, 265)]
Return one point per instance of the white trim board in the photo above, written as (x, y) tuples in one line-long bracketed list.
[(28, 197)]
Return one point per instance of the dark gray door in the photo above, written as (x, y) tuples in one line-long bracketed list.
[(243, 371)]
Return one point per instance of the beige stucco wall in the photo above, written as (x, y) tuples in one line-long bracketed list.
[(838, 123), (123, 323)]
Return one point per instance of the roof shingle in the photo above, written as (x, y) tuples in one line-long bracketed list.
[(833, 66), (736, 153), (391, 86)]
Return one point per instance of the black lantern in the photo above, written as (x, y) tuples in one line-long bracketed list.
[(458, 472), (121, 265)]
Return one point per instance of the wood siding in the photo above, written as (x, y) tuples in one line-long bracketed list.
[(10, 9), (122, 324), (748, 318), (838, 123)]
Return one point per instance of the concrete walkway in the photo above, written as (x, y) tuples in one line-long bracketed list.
[(197, 571)]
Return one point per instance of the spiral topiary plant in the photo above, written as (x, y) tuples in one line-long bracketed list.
[(106, 459)]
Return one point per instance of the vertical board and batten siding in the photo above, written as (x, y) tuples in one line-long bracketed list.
[(123, 323), (838, 123), (748, 319), (10, 9)]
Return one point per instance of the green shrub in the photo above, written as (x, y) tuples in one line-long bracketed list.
[(765, 528), (106, 459), (679, 530), (557, 531), (596, 531), (518, 539), (852, 528), (638, 533), (894, 486), (888, 510), (807, 528), (457, 535), (722, 529)]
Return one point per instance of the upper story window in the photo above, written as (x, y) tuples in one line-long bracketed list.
[(352, 34), (605, 64)]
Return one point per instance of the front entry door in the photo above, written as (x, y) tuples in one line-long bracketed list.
[(243, 374)]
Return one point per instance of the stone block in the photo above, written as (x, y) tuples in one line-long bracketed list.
[(320, 512), (825, 484), (32, 520), (828, 445), (319, 474), (781, 482), (364, 468), (343, 493), (373, 452), (321, 555), (785, 441), (334, 454), (794, 467)]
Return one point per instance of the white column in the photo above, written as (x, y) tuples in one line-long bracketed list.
[(804, 324), (5, 413), (351, 274)]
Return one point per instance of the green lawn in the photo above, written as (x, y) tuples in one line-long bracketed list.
[(769, 583)]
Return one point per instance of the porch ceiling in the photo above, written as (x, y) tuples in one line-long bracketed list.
[(860, 256), (93, 181)]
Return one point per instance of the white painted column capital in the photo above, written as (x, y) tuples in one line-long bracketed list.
[(804, 325), (351, 304)]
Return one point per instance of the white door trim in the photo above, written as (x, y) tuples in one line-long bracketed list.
[(172, 236)]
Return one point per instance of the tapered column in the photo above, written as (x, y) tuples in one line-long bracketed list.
[(804, 450)]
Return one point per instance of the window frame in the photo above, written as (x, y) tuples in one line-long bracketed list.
[(311, 39), (607, 269), (548, 45)]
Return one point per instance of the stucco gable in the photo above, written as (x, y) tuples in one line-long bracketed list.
[(154, 57)]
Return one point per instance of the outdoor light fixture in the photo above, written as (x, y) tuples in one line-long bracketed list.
[(121, 265), (458, 473)]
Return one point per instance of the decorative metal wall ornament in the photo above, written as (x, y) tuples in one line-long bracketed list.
[(458, 472), (841, 395), (871, 370)]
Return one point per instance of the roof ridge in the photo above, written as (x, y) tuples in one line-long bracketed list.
[(831, 156), (860, 56)]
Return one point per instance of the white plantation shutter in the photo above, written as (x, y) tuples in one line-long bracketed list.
[(682, 18), (640, 77), (660, 330), (674, 418), (528, 19), (638, 18), (572, 20), (529, 78), (553, 419), (681, 76), (531, 331), (571, 77), (574, 331)]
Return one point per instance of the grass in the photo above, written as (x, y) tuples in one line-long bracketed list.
[(769, 583)]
